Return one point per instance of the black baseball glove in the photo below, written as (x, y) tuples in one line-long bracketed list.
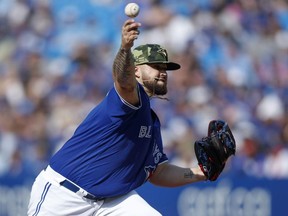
[(213, 151)]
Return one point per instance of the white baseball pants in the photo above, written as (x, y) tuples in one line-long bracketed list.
[(48, 197)]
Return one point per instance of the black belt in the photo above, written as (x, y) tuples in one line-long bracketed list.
[(75, 189)]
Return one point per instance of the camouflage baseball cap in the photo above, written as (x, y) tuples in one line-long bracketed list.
[(153, 54)]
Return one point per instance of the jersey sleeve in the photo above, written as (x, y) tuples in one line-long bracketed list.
[(123, 103), (163, 157)]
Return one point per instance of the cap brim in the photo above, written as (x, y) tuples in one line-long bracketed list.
[(170, 65)]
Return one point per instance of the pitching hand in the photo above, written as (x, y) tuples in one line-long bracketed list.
[(130, 33)]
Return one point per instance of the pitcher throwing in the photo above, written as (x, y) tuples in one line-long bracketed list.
[(118, 146)]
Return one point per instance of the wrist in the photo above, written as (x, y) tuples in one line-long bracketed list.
[(125, 49), (199, 175)]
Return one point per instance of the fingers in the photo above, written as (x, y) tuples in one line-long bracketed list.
[(130, 33)]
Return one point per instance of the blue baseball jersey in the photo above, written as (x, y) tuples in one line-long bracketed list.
[(115, 149)]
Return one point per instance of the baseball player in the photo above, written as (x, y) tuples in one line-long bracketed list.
[(118, 146)]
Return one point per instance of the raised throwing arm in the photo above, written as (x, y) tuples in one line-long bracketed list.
[(123, 66)]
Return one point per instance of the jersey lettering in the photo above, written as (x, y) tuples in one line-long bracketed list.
[(157, 157), (156, 154), (145, 132), (148, 135), (142, 132)]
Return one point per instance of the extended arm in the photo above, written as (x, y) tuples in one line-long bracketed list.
[(168, 175), (123, 66), (212, 152)]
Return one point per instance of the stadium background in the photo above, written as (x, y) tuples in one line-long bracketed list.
[(55, 65)]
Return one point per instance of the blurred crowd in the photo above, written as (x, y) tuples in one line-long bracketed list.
[(56, 60)]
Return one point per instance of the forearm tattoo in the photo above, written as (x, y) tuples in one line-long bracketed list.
[(188, 174), (123, 66)]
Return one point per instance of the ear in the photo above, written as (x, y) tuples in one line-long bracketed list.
[(137, 72)]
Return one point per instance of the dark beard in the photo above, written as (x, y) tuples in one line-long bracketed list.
[(155, 88)]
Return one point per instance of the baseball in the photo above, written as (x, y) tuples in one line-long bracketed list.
[(132, 10)]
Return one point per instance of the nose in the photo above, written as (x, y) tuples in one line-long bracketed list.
[(163, 75)]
